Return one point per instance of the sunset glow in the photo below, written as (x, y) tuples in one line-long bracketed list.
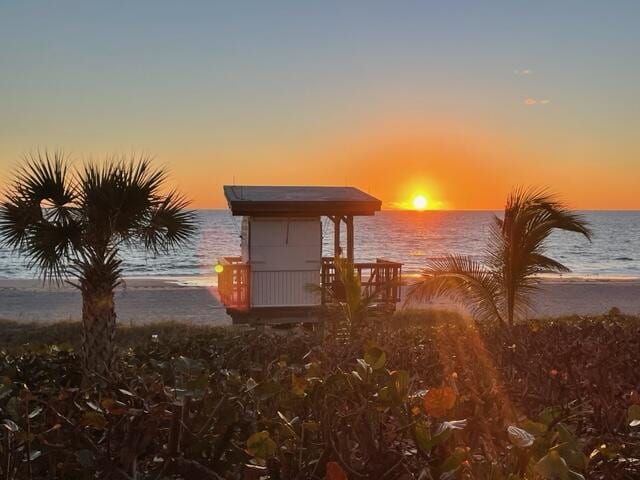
[(420, 202), (227, 100)]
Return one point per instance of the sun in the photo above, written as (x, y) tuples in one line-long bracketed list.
[(420, 202)]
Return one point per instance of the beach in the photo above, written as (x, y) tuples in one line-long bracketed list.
[(146, 300)]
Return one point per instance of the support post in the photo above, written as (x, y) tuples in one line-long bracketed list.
[(349, 222), (337, 250)]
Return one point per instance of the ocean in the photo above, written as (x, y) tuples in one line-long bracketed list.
[(404, 236)]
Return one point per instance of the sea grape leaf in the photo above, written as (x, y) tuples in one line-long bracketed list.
[(375, 357), (313, 370), (535, 428), (94, 419), (519, 437), (570, 448), (251, 384), (633, 415), (267, 390), (198, 383), (298, 385), (400, 379), (261, 445), (423, 436), (438, 401), (335, 472), (553, 466), (452, 463), (550, 414)]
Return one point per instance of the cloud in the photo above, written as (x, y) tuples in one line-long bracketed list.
[(530, 102), (524, 72)]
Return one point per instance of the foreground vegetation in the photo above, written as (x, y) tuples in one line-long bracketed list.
[(72, 223), (415, 396)]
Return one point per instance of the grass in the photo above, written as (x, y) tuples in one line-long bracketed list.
[(15, 334)]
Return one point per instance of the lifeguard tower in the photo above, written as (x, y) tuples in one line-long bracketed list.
[(281, 252)]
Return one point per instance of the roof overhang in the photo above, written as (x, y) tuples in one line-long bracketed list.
[(282, 201)]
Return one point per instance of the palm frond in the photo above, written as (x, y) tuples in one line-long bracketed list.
[(45, 177), (168, 224), (39, 216), (463, 280), (18, 215), (517, 242)]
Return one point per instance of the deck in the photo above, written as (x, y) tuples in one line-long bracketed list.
[(383, 276)]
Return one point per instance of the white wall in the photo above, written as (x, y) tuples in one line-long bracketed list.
[(279, 289), (285, 256)]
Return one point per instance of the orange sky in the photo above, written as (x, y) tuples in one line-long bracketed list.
[(455, 166)]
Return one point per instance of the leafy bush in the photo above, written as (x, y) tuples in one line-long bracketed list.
[(412, 397)]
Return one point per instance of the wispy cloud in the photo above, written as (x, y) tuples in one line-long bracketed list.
[(530, 101), (523, 72)]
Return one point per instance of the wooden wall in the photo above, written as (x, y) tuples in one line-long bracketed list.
[(285, 255)]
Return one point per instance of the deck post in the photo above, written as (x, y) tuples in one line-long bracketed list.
[(349, 222), (337, 251)]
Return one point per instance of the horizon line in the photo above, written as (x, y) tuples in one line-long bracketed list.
[(465, 209)]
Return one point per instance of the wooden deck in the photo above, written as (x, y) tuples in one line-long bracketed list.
[(382, 275)]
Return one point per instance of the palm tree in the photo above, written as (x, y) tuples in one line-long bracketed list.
[(71, 225), (501, 287), (346, 303)]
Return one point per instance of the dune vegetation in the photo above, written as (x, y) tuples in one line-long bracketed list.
[(416, 395)]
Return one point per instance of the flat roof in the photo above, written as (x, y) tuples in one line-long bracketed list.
[(278, 201)]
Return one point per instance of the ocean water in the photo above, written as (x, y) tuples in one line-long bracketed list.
[(404, 236)]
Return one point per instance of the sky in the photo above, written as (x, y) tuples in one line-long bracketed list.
[(459, 101)]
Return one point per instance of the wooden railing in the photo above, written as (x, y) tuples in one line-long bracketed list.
[(382, 277), (233, 283)]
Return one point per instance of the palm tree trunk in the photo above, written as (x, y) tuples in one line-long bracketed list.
[(98, 327), (511, 305)]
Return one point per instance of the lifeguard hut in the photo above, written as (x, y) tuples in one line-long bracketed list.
[(281, 252)]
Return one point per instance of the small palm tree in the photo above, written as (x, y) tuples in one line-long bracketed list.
[(345, 301), (72, 224), (501, 287)]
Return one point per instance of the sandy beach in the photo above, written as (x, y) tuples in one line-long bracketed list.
[(151, 300)]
